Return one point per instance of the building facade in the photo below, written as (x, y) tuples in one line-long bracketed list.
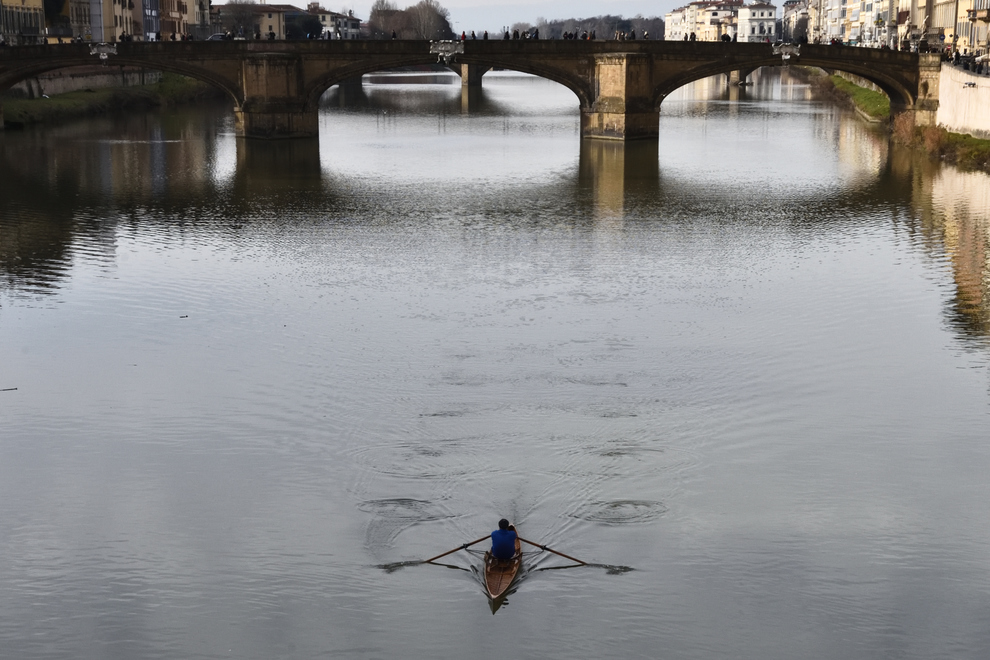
[(707, 20), (674, 26), (935, 25), (758, 22), (794, 21), (345, 26), (22, 22)]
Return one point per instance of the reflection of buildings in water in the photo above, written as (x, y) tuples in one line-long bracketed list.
[(952, 212), (64, 198), (861, 147), (961, 206), (40, 234), (794, 87), (612, 170), (35, 244), (765, 83)]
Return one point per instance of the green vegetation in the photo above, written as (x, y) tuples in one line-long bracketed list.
[(959, 149), (968, 151), (874, 104), (173, 89)]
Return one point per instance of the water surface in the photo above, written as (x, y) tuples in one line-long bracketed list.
[(253, 380)]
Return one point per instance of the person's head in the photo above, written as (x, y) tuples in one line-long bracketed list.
[(503, 524)]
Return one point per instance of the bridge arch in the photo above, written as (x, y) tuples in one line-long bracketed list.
[(10, 78), (321, 84), (581, 88), (899, 94)]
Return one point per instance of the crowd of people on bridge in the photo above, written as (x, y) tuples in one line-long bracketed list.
[(534, 33)]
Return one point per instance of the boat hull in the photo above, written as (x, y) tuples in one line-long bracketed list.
[(499, 575)]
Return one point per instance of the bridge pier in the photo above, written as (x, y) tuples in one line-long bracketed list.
[(274, 98), (471, 74), (739, 76), (623, 106), (275, 121), (925, 108)]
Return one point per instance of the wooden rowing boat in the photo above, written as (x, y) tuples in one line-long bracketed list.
[(499, 575)]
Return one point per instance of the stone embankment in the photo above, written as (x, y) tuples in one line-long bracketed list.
[(81, 78), (964, 101), (101, 92)]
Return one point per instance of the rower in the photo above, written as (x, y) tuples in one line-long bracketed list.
[(504, 541)]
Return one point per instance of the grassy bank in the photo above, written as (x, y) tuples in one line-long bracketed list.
[(875, 106), (172, 90), (962, 150)]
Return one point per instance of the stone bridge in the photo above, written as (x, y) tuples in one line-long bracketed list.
[(620, 85)]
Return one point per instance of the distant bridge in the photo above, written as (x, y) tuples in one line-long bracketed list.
[(276, 85)]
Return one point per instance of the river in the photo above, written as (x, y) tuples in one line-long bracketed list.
[(744, 372)]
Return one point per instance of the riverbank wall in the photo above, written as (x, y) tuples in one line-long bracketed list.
[(964, 102), (171, 89), (80, 78)]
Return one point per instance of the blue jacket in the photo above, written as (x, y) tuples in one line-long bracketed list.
[(503, 543)]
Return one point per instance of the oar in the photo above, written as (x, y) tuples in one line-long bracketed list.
[(461, 547), (543, 547)]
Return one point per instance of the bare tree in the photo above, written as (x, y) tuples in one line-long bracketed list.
[(429, 20), (381, 20), (604, 27), (240, 17)]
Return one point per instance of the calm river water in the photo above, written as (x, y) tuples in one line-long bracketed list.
[(745, 373)]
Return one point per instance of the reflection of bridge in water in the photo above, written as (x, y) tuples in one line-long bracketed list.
[(612, 186), (620, 85)]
